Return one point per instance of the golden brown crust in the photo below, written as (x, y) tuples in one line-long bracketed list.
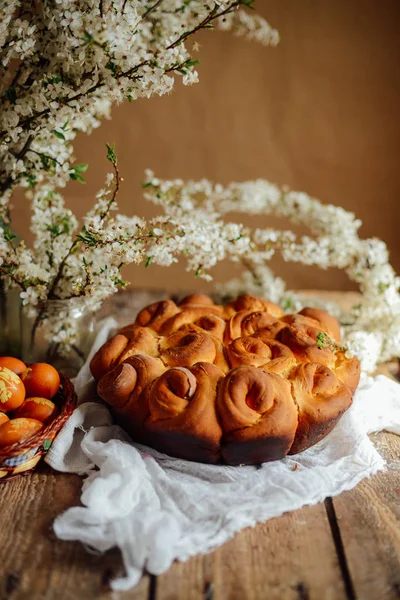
[(268, 353), (305, 348), (253, 303), (155, 315), (240, 384), (321, 399), (221, 359), (258, 416), (247, 322), (271, 331), (185, 348), (327, 322), (306, 325), (197, 299), (123, 388), (183, 419), (127, 342), (212, 324), (189, 315), (107, 356), (142, 341), (347, 370)]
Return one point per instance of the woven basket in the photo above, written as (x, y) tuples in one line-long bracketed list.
[(21, 458)]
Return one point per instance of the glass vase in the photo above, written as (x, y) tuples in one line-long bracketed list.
[(59, 333), (10, 321)]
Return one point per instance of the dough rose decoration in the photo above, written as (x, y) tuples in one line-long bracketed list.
[(317, 392), (258, 416), (183, 418), (210, 394)]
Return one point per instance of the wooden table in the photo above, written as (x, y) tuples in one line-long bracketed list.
[(344, 548)]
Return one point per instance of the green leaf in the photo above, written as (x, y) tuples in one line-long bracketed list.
[(76, 177), (191, 62), (58, 134), (47, 444), (146, 184), (383, 286), (321, 340), (8, 235), (81, 168), (111, 156), (89, 39), (287, 304), (11, 94), (87, 238), (111, 66), (45, 162), (76, 172), (53, 80), (183, 7), (61, 226), (31, 179), (120, 282), (148, 261)]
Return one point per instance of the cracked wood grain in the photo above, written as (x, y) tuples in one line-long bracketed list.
[(369, 522), (292, 557), (34, 564)]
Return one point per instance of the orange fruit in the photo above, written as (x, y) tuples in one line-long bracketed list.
[(12, 391), (41, 381), (18, 430), (14, 364), (41, 409), (3, 418)]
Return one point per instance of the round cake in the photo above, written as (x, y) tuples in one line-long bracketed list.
[(236, 384)]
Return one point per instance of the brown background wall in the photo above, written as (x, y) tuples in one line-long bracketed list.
[(319, 113)]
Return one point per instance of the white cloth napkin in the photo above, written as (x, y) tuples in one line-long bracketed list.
[(156, 508)]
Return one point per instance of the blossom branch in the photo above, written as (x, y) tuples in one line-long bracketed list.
[(74, 60)]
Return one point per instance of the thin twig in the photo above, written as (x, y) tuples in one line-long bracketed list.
[(115, 193), (46, 156), (66, 100), (52, 295), (214, 14), (5, 273), (247, 264), (17, 75), (8, 181), (150, 10), (211, 17)]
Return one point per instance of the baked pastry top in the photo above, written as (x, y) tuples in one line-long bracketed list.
[(238, 384)]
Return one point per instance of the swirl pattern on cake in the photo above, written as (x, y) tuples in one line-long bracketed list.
[(236, 384)]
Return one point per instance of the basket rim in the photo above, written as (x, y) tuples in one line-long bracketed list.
[(48, 432)]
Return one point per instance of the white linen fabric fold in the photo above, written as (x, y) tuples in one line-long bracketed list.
[(157, 509)]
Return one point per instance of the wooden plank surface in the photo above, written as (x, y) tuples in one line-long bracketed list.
[(275, 560), (346, 548), (369, 523), (34, 564)]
